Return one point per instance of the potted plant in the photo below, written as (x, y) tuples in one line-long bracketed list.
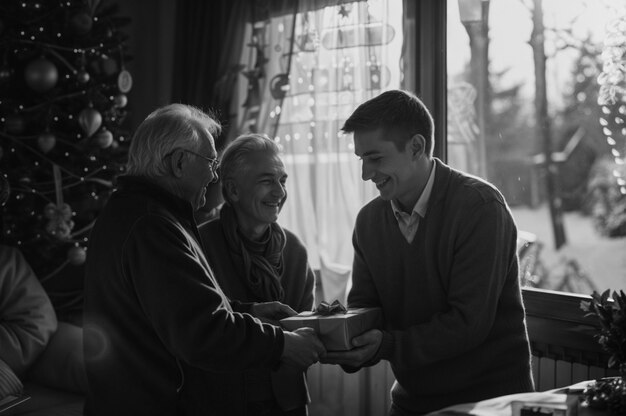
[(609, 393)]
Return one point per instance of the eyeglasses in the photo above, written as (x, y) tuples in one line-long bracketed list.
[(213, 163)]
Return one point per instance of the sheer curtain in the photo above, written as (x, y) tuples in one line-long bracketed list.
[(308, 66)]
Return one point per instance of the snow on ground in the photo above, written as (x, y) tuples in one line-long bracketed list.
[(601, 258)]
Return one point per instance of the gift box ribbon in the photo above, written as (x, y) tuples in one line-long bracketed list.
[(327, 309)]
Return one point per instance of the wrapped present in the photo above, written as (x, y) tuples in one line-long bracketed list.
[(335, 325), (547, 404)]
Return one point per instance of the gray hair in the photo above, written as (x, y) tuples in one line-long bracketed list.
[(234, 158), (164, 130)]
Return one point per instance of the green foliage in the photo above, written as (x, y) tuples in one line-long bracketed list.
[(611, 313)]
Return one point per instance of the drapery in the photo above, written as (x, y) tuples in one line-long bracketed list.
[(207, 47), (308, 65)]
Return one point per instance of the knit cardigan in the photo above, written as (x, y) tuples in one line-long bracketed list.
[(455, 326)]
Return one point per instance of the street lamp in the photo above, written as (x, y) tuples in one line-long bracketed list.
[(474, 15)]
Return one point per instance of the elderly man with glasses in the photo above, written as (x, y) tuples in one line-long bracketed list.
[(153, 307)]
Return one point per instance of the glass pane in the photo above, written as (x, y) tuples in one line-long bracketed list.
[(536, 105)]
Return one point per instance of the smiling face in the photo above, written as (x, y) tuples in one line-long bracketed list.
[(398, 174), (258, 193)]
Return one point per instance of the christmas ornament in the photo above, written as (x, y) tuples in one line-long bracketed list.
[(120, 101), (76, 255), (90, 120), (109, 66), (46, 142), (344, 11), (49, 210), (82, 76), (41, 75), (60, 229), (124, 81), (81, 23), (14, 123), (60, 222), (103, 138), (279, 85), (53, 211)]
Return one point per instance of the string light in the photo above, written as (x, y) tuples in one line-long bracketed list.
[(611, 91)]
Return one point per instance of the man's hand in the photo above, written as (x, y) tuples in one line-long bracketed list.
[(271, 312), (365, 347), (302, 348)]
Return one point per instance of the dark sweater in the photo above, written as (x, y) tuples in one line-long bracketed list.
[(227, 393), (152, 304), (455, 327)]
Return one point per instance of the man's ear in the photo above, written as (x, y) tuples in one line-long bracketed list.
[(177, 163), (417, 145), (232, 190)]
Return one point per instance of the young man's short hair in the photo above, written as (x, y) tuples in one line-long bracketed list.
[(397, 111)]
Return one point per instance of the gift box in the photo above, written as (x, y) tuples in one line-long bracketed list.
[(548, 405), (337, 329)]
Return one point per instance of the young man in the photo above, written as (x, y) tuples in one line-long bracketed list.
[(437, 251), (255, 260), (152, 303)]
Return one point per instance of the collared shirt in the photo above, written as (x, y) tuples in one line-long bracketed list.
[(408, 223)]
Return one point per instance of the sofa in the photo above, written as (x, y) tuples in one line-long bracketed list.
[(56, 382)]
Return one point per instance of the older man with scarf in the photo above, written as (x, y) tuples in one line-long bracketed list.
[(255, 260)]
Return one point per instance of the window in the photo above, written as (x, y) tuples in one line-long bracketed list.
[(544, 141), (536, 105)]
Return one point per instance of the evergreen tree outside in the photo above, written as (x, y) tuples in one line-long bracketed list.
[(581, 111), (63, 136)]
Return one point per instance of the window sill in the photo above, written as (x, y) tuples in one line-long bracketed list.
[(558, 328)]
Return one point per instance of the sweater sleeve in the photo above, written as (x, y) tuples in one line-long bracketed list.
[(27, 318), (188, 311), (363, 292), (298, 277), (483, 255), (307, 279), (308, 294)]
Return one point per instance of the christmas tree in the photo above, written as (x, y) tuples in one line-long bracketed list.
[(63, 139)]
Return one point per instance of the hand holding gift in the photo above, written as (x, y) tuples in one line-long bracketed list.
[(365, 347), (271, 312), (302, 348)]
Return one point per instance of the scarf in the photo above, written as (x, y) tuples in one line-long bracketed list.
[(259, 262)]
